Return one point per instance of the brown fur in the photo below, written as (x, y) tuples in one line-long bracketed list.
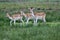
[(14, 15), (28, 15), (40, 14)]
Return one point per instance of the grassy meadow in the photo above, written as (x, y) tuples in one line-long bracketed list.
[(42, 31)]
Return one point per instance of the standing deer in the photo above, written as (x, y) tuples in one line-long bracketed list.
[(28, 16), (14, 17), (37, 16)]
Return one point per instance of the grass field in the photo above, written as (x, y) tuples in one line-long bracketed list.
[(42, 31)]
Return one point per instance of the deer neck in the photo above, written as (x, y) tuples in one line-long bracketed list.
[(32, 13), (24, 14), (9, 17)]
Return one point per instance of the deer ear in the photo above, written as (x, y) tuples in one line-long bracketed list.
[(28, 8), (33, 8)]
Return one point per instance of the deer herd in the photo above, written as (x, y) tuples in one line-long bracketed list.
[(32, 15)]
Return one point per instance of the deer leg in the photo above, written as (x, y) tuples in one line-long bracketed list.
[(22, 20), (11, 22), (14, 22), (44, 19), (36, 20), (27, 20)]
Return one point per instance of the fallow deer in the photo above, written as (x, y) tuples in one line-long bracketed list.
[(14, 17), (37, 16), (28, 16)]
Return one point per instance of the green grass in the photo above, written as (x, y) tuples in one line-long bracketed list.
[(42, 31), (18, 5), (39, 32)]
